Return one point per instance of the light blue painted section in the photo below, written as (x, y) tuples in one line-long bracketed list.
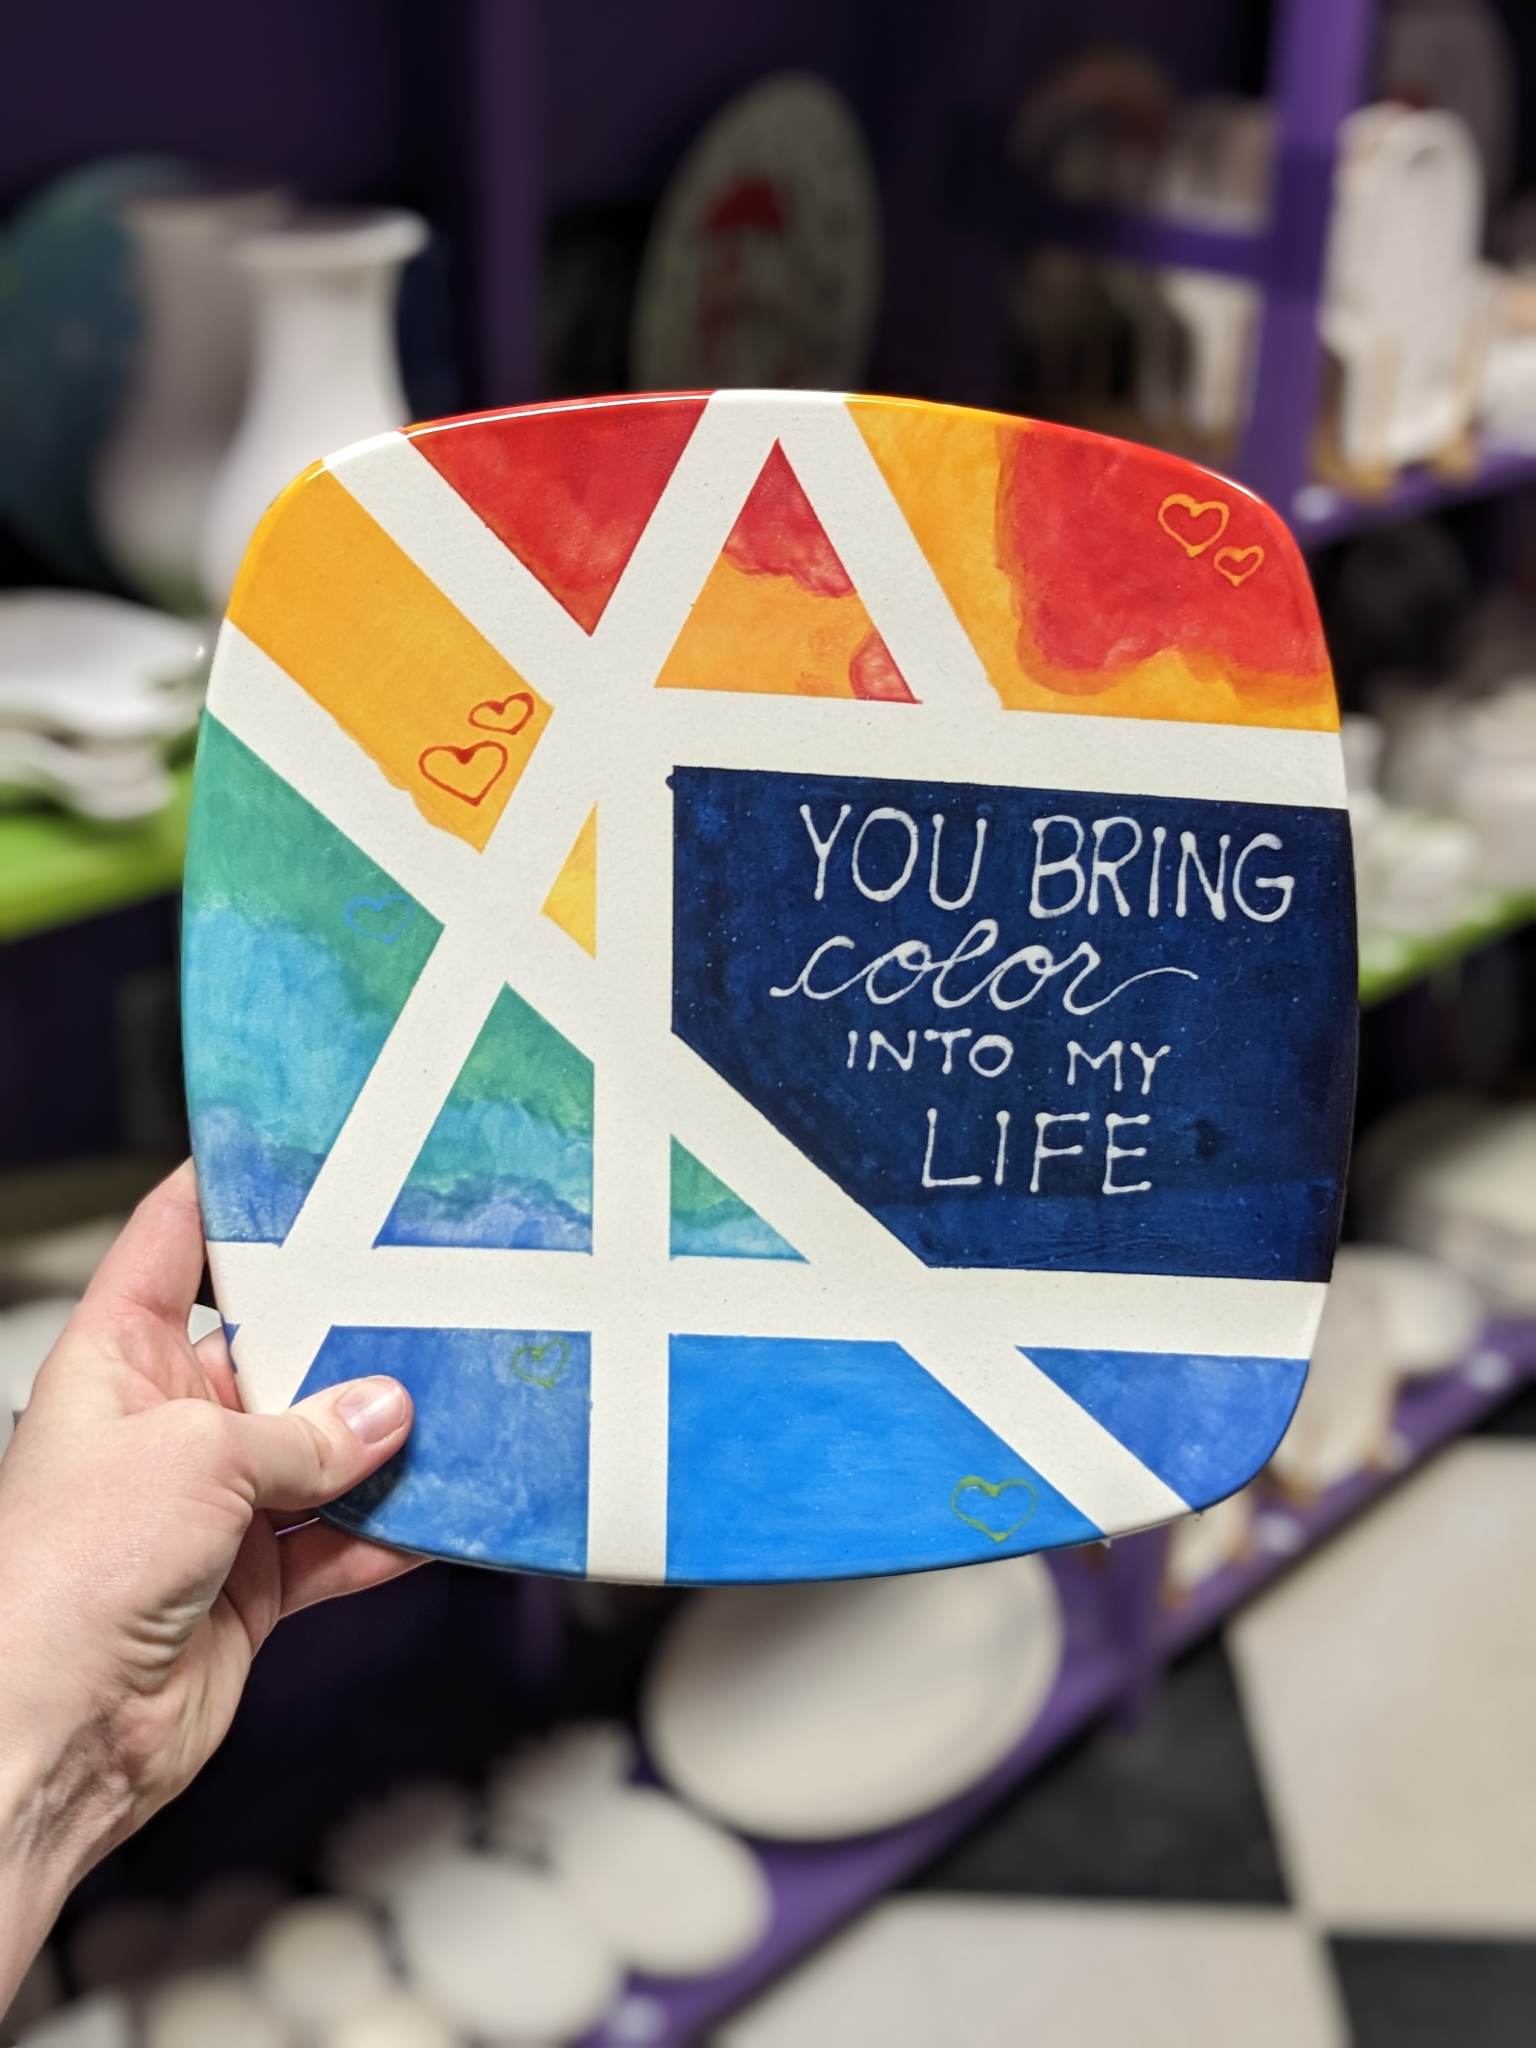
[(495, 1468), (1204, 1425), (800, 1459)]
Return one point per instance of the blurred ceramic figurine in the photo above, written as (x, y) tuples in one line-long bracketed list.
[(327, 372), (1404, 299), (156, 473)]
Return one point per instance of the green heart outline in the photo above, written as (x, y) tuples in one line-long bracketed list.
[(993, 1489), (537, 1353)]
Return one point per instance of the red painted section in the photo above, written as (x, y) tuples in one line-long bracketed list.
[(568, 488), (1117, 553)]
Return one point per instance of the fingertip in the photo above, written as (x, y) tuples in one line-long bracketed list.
[(375, 1409)]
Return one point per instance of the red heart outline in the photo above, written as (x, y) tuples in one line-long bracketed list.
[(523, 697), (1251, 559), (463, 788), (1191, 511)]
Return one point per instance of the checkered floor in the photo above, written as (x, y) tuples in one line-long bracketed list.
[(1323, 1837)]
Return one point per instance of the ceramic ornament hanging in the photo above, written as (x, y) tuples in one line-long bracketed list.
[(787, 962), (763, 266)]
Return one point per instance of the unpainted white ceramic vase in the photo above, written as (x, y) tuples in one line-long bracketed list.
[(327, 370), (156, 473)]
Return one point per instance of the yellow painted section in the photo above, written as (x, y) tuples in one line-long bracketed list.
[(572, 902), (329, 596)]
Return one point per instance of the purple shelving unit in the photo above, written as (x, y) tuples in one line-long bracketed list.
[(1120, 1633)]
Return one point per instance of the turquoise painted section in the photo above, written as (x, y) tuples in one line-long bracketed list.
[(802, 1459), (298, 953), (495, 1468), (709, 1221), (1205, 1425), (508, 1163)]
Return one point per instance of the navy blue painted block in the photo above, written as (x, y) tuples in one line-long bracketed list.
[(1167, 983)]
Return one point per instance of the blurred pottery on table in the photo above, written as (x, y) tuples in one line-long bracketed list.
[(1404, 306), (1201, 1545), (326, 370), (500, 1950), (155, 476), (203, 2007), (373, 1851), (1454, 1176), (1430, 1316), (1344, 1420), (670, 1892), (317, 1960), (397, 2020), (808, 1712), (104, 2020)]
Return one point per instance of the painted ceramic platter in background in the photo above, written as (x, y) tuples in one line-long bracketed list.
[(787, 962), (763, 267)]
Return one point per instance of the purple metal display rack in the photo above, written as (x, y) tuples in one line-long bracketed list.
[(1108, 1663)]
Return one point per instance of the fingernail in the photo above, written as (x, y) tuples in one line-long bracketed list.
[(373, 1409)]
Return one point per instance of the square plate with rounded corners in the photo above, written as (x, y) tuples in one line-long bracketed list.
[(787, 962)]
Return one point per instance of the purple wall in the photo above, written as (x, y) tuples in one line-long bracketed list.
[(490, 114)]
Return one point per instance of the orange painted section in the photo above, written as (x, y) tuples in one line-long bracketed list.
[(778, 613), (329, 596)]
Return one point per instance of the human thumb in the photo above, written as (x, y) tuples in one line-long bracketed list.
[(322, 1446)]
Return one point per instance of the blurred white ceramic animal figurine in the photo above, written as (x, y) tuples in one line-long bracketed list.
[(1405, 300)]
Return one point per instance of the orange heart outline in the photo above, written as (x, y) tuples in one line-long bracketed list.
[(1193, 508), (462, 788), (523, 697), (1253, 557)]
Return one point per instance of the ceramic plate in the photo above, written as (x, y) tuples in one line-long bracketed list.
[(78, 665), (758, 1705), (788, 963), (764, 263)]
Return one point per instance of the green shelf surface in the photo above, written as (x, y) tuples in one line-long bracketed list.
[(1390, 961), (56, 869)]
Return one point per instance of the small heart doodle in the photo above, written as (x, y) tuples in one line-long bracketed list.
[(465, 772), (977, 1492), (380, 918), (1182, 518), (1237, 564), (510, 715), (541, 1363)]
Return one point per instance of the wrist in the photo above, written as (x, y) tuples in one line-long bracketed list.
[(63, 1800)]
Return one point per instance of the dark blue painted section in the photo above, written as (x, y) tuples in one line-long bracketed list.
[(797, 1459), (1249, 1109), (1205, 1425), (495, 1469)]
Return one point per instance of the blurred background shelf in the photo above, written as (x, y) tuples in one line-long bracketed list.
[(1320, 514), (57, 869), (1391, 961)]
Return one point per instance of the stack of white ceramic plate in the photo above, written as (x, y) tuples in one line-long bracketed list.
[(810, 1712), (1392, 1315), (92, 691)]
